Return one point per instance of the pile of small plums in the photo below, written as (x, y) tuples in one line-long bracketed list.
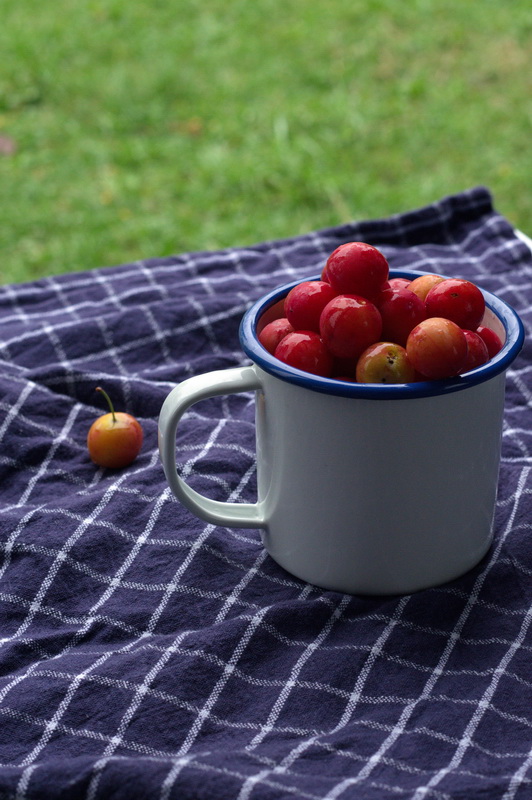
[(357, 324)]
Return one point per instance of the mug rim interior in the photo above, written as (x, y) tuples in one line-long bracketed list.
[(507, 316)]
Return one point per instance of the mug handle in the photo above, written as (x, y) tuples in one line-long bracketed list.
[(200, 387)]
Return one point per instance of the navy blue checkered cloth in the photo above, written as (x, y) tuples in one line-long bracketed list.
[(145, 654)]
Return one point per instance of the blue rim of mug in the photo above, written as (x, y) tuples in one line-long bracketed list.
[(251, 346)]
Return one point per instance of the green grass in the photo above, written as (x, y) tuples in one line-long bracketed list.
[(145, 129)]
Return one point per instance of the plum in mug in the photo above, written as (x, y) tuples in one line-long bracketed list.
[(362, 488)]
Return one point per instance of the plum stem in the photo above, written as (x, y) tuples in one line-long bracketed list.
[(109, 401)]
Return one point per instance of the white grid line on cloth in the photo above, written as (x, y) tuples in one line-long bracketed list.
[(220, 258), (98, 377), (205, 710), (319, 244), (195, 708), (116, 739), (154, 541), (111, 350), (113, 622), (61, 437), (480, 709), (4, 350), (486, 705), (112, 585), (19, 463), (144, 586), (518, 778), (61, 355), (443, 261), (512, 431), (161, 336), (14, 409), (20, 314), (149, 277), (167, 697), (327, 688), (193, 266), (376, 784), (86, 486), (140, 748), (194, 762), (475, 236), (139, 695), (237, 265), (286, 267), (510, 294), (130, 744), (287, 246), (337, 614), (513, 435), (178, 544), (58, 291), (36, 604), (356, 757), (24, 782), (514, 561), (13, 536), (107, 286), (427, 689), (481, 602), (401, 766), (79, 620), (173, 773), (133, 343), (352, 698), (204, 321), (116, 299), (81, 733), (234, 596), (52, 724), (520, 384), (511, 616)]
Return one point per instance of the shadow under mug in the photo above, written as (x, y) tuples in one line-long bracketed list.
[(362, 488)]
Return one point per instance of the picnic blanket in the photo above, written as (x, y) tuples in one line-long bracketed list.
[(146, 654)]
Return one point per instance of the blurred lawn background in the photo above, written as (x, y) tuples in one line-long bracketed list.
[(134, 129)]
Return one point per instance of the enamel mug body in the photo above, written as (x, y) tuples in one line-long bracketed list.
[(362, 488)]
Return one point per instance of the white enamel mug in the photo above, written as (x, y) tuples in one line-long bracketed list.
[(362, 488)]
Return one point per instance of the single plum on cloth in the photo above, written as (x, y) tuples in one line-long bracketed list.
[(145, 654)]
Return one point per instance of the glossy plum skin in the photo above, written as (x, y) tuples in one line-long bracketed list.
[(348, 324), (401, 311), (477, 352), (306, 351), (114, 441), (491, 340), (385, 362), (399, 283), (423, 284), (458, 300), (437, 348), (357, 268), (273, 333), (305, 302), (356, 304)]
